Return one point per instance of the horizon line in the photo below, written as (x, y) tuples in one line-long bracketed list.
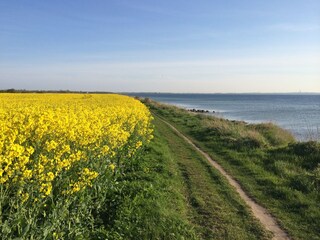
[(12, 90), (155, 92)]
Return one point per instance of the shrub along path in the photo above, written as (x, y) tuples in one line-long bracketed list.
[(258, 211)]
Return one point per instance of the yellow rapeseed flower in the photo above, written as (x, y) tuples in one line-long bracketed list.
[(49, 138), (112, 166)]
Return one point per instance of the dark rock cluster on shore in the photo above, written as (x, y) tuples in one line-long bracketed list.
[(199, 110)]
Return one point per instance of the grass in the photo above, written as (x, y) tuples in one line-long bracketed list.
[(173, 193), (281, 174), (165, 190), (148, 204)]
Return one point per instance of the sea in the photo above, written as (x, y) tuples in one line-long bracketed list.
[(298, 113)]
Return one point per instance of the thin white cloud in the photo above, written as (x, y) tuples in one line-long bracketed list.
[(150, 8), (264, 74), (294, 60), (183, 11), (297, 60), (290, 27)]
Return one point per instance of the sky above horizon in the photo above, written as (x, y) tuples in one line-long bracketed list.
[(161, 46)]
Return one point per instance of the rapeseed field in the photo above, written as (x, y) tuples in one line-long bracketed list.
[(60, 154)]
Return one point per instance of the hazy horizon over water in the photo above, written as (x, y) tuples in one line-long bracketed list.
[(298, 113)]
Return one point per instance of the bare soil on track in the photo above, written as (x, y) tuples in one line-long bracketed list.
[(261, 213)]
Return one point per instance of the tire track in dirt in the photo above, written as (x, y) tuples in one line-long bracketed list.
[(261, 213)]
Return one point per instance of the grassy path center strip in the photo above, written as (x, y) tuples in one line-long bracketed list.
[(259, 212), (213, 207)]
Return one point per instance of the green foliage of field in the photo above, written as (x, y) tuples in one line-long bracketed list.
[(282, 174)]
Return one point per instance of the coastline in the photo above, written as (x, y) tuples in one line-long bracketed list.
[(277, 171), (300, 114)]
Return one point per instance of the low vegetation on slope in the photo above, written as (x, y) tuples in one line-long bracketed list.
[(282, 174)]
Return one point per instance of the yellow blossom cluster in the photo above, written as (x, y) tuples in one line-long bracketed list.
[(66, 139), (85, 180)]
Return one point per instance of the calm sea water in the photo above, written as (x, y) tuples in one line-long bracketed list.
[(300, 114)]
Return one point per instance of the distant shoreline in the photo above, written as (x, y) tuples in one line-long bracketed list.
[(297, 113), (229, 93), (12, 90), (53, 91)]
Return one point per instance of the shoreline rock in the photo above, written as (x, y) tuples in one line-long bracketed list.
[(200, 111)]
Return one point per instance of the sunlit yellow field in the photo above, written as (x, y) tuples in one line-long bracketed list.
[(57, 147)]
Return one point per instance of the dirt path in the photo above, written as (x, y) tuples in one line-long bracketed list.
[(258, 211)]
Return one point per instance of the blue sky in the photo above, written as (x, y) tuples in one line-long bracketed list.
[(161, 46)]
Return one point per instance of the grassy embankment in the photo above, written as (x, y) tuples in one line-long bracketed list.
[(281, 174), (175, 194)]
